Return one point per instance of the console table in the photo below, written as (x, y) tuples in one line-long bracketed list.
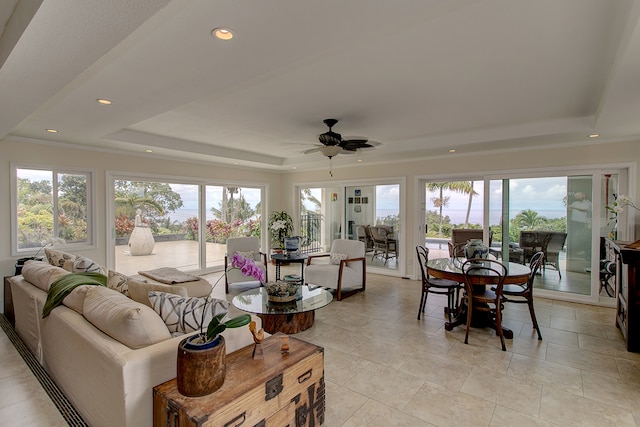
[(279, 390), (628, 303)]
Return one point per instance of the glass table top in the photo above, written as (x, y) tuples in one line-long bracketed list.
[(257, 301)]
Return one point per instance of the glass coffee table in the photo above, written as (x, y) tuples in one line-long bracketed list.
[(288, 317)]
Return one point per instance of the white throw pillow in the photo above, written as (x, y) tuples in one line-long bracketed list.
[(118, 282), (335, 258), (133, 324), (82, 264), (60, 259), (184, 314)]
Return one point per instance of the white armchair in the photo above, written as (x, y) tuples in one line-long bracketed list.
[(248, 247), (343, 269)]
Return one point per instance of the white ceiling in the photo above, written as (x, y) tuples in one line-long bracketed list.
[(419, 76)]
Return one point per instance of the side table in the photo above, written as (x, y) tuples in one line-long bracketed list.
[(289, 258), (279, 390)]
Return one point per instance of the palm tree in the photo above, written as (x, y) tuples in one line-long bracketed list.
[(471, 193), (442, 200), (529, 219)]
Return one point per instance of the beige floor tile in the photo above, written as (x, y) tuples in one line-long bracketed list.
[(535, 371), (38, 411), (581, 327), (504, 390), (611, 347), (629, 370), (582, 359), (620, 393), (438, 369), (341, 367), (19, 387), (376, 414), (341, 404), (479, 355), (439, 406), (505, 417), (569, 410), (528, 344), (393, 387)]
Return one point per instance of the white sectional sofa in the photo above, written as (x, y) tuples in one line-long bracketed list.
[(109, 383)]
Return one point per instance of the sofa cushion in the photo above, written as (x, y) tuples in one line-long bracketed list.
[(41, 274), (75, 299), (139, 291), (133, 324), (184, 314), (83, 264), (60, 259), (118, 282)]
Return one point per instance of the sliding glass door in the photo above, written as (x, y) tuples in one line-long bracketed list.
[(349, 212), (177, 224), (564, 216)]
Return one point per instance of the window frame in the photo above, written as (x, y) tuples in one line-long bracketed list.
[(90, 174)]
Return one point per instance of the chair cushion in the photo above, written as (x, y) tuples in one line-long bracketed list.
[(247, 254)]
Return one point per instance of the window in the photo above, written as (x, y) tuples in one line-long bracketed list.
[(189, 222), (50, 204)]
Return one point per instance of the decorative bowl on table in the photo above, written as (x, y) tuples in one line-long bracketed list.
[(282, 292)]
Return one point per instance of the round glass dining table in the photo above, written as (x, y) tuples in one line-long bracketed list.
[(451, 268)]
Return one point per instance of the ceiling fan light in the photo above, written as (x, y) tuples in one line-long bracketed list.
[(330, 150)]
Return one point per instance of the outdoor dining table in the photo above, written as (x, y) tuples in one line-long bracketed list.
[(451, 268)]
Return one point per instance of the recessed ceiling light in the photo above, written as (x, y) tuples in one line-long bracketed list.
[(594, 135), (149, 151), (52, 130), (359, 160), (222, 33), (452, 150), (103, 101)]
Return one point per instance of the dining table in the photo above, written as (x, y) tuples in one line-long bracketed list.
[(451, 269)]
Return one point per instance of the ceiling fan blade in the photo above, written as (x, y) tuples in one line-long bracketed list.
[(355, 139), (312, 150)]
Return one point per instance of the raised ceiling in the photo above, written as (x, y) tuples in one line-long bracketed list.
[(421, 77)]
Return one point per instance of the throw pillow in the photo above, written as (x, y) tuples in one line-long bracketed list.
[(184, 314), (118, 282), (41, 274), (335, 258), (60, 259), (139, 291), (247, 254), (133, 324), (82, 264)]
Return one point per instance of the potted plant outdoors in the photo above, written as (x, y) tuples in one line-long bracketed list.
[(202, 357), (280, 226)]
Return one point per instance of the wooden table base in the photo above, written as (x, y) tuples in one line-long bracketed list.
[(287, 323)]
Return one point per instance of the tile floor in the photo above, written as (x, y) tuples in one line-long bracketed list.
[(383, 367)]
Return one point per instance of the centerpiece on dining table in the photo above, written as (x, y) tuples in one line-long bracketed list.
[(282, 291)]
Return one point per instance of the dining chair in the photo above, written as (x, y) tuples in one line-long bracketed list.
[(523, 293), (433, 285), (478, 275)]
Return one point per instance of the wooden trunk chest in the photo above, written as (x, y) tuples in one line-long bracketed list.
[(279, 390)]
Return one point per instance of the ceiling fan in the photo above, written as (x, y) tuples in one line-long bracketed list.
[(333, 143)]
